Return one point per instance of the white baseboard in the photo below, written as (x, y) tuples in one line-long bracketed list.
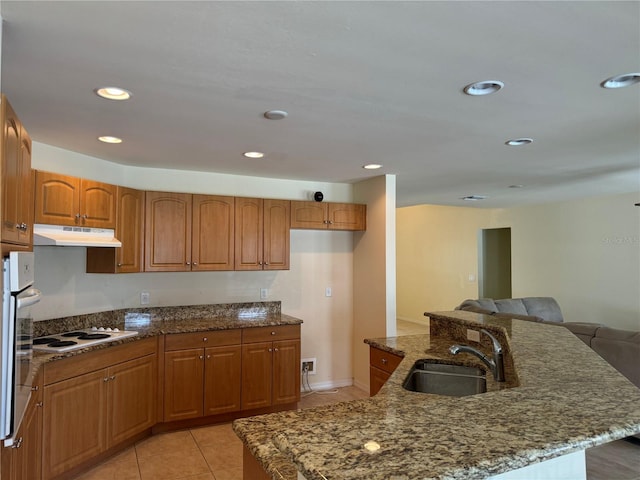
[(328, 385)]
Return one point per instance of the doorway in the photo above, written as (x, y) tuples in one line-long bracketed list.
[(494, 263)]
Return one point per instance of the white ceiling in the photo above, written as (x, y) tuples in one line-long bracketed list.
[(363, 82)]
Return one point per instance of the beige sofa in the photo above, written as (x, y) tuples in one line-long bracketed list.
[(621, 348)]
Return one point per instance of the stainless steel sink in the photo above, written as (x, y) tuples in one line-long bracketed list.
[(445, 379)]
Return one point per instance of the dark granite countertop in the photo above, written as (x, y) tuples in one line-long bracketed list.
[(560, 397), (154, 321)]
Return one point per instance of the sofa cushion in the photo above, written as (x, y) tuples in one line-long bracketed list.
[(544, 307), (482, 305), (621, 348), (512, 305)]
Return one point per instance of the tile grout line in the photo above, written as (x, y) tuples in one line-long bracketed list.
[(202, 453)]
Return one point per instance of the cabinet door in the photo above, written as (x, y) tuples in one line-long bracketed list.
[(308, 215), (97, 204), (17, 211), (130, 230), (131, 398), (10, 174), (23, 460), (213, 233), (286, 371), (74, 422), (347, 216), (276, 234), (183, 384), (257, 367), (222, 379), (167, 232), (25, 197), (57, 199), (248, 233)]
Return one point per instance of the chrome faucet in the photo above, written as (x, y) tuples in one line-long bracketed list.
[(496, 364)]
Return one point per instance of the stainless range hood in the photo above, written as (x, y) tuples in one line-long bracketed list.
[(63, 236)]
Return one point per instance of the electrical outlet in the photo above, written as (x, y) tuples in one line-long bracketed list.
[(144, 298), (473, 335), (327, 292), (264, 293), (308, 366)]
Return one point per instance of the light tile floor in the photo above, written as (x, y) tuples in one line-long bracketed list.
[(206, 453)]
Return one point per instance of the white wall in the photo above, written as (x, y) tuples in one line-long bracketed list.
[(584, 253), (319, 259)]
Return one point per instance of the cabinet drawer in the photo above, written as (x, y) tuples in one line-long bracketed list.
[(181, 341), (267, 334), (383, 360), (103, 358)]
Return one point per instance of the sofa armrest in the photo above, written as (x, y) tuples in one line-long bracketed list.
[(585, 331), (621, 348)]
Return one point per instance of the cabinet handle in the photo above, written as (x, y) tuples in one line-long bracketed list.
[(273, 332), (77, 215), (271, 349), (205, 339), (18, 444), (35, 388), (85, 216), (39, 404), (105, 379), (195, 263), (112, 377), (266, 263), (119, 264), (384, 361), (275, 349), (208, 356), (188, 263), (201, 357)]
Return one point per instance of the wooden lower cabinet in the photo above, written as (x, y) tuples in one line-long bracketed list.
[(270, 369), (85, 415), (74, 425), (202, 381), (381, 365), (21, 461)]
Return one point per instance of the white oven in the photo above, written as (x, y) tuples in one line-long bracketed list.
[(16, 335)]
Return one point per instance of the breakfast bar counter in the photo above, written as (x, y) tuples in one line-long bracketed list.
[(559, 399)]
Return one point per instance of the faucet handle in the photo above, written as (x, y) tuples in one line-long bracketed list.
[(497, 348)]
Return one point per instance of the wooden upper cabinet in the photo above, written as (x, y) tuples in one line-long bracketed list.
[(129, 230), (262, 234), (213, 240), (328, 216), (167, 232), (97, 204), (65, 200), (17, 188)]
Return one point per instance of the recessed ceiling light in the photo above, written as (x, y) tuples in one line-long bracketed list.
[(620, 81), (485, 87), (474, 198), (109, 139), (372, 166), (275, 114), (253, 154), (518, 142), (113, 93), (516, 186)]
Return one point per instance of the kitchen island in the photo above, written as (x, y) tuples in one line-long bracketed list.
[(559, 399)]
